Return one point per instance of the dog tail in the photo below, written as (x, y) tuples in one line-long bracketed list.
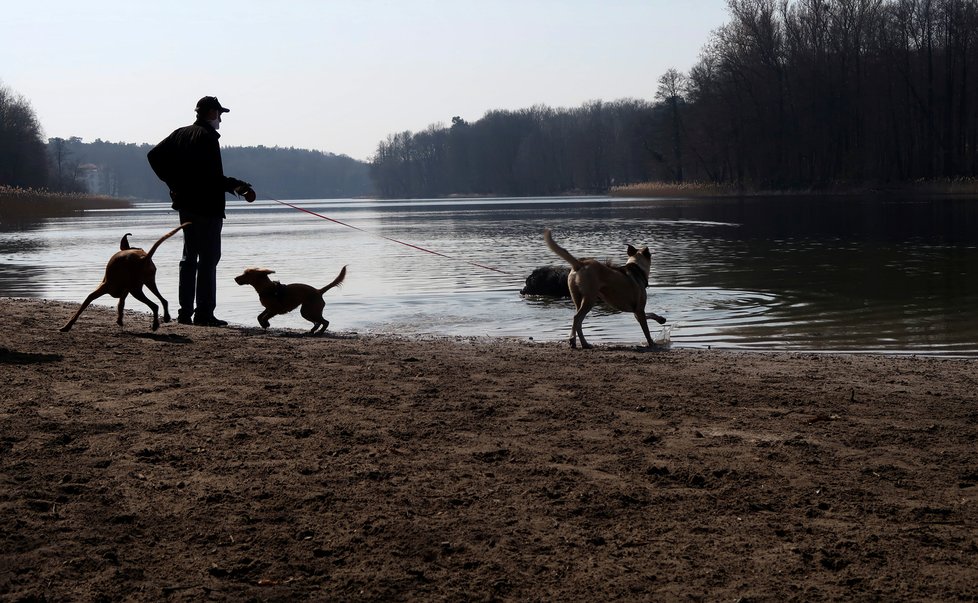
[(152, 249), (336, 281), (124, 243), (574, 262)]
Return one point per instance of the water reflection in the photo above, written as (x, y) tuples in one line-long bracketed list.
[(18, 241), (773, 273)]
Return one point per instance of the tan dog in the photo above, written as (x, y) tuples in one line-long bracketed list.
[(282, 299), (622, 287), (127, 271)]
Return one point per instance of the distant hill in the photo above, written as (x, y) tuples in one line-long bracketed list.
[(121, 170)]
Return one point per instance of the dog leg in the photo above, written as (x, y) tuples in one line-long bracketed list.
[(263, 318), (577, 328), (138, 294), (640, 317), (313, 312), (88, 300), (151, 285), (655, 317), (318, 325), (121, 307), (576, 298)]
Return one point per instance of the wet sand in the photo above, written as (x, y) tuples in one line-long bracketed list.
[(232, 464)]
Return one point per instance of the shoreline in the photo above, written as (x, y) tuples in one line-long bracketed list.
[(963, 187), (136, 314), (20, 204), (196, 463), (27, 204)]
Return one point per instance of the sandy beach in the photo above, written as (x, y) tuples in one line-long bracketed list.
[(198, 464)]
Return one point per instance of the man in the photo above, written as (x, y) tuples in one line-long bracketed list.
[(189, 162)]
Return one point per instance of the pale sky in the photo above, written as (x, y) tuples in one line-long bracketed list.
[(333, 75)]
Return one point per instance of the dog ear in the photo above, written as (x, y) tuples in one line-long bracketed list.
[(647, 253), (631, 251), (264, 271)]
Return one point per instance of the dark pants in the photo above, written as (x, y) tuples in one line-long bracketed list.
[(198, 267)]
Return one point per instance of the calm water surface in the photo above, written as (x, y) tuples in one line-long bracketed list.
[(822, 274)]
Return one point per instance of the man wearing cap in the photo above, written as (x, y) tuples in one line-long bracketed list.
[(189, 162)]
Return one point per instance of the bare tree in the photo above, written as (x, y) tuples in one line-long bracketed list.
[(23, 160), (671, 90)]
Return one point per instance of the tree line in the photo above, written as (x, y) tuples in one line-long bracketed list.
[(817, 92), (121, 170), (70, 165), (535, 151), (787, 94), (23, 157)]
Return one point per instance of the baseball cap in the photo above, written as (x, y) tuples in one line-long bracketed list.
[(209, 103)]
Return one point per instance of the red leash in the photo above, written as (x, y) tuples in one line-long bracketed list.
[(335, 221)]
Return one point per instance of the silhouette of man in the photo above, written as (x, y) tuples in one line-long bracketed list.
[(189, 162)]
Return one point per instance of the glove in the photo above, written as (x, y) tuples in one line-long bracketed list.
[(245, 191)]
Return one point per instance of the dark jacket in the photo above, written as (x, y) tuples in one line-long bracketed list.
[(189, 162)]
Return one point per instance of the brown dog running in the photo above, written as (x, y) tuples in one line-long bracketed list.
[(622, 287), (127, 271), (282, 299)]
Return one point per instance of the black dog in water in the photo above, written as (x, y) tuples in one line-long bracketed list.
[(547, 280)]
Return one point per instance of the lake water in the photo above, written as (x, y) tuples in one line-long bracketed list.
[(825, 274)]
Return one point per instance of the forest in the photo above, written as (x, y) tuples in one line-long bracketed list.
[(808, 94), (788, 94), (70, 165), (535, 151), (23, 158), (121, 170), (816, 92)]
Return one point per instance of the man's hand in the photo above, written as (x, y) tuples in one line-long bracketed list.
[(245, 191)]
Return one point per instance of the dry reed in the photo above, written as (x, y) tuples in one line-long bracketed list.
[(21, 203), (937, 186)]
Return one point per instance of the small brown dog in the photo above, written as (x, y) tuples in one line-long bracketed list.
[(126, 273), (622, 287), (282, 299)]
